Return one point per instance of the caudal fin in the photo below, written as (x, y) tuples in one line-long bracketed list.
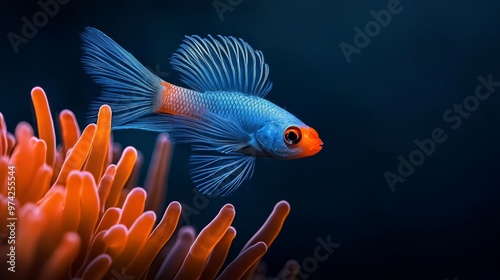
[(127, 86)]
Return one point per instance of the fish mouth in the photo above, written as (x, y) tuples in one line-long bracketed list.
[(315, 148)]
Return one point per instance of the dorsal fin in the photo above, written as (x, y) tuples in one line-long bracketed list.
[(221, 64)]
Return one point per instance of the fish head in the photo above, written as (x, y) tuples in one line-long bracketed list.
[(288, 140)]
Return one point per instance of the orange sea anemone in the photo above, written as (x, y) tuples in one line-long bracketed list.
[(72, 213)]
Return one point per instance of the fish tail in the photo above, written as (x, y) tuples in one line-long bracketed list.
[(129, 88)]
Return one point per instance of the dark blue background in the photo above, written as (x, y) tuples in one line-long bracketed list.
[(441, 223)]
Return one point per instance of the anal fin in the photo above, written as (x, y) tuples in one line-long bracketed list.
[(220, 174)]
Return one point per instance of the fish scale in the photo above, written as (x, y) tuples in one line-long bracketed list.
[(247, 109)]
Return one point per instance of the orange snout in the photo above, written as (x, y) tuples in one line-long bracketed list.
[(311, 144)]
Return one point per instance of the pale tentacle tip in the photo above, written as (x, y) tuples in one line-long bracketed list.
[(37, 90)]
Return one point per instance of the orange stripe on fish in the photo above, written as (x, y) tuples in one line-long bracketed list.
[(167, 100), (176, 100)]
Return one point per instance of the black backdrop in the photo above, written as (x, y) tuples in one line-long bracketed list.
[(396, 84)]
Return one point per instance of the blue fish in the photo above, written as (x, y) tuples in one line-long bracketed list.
[(222, 112)]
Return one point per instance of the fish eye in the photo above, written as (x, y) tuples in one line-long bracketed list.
[(292, 135)]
